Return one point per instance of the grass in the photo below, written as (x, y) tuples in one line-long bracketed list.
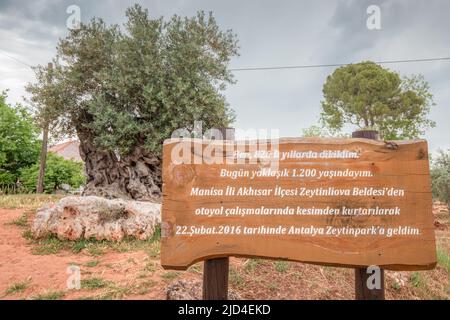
[(443, 258), (22, 221), (49, 295), (416, 279), (396, 286), (94, 283), (170, 275), (155, 249), (251, 264), (31, 201), (282, 266), (195, 268), (144, 287), (272, 286), (235, 278), (113, 291), (150, 267), (48, 245), (92, 263), (17, 287)]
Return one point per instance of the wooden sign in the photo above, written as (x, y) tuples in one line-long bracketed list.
[(341, 202)]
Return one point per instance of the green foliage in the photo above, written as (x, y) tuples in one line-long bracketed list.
[(314, 131), (19, 144), (58, 171), (17, 287), (49, 295), (369, 96), (94, 283), (133, 86), (440, 176)]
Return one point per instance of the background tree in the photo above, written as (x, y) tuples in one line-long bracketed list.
[(19, 143), (319, 131), (369, 96), (314, 131), (440, 176), (123, 91)]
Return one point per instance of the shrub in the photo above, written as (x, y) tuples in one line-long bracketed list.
[(58, 171)]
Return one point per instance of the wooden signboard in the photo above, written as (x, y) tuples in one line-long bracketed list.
[(341, 202)]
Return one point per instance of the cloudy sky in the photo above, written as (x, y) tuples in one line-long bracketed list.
[(270, 33)]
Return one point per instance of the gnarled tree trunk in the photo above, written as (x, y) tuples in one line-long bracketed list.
[(135, 176)]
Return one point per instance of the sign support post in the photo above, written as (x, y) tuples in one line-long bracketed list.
[(362, 291), (215, 271)]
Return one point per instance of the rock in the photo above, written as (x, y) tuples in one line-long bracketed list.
[(73, 218), (192, 290), (440, 207)]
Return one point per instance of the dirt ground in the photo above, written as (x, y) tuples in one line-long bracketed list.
[(30, 270)]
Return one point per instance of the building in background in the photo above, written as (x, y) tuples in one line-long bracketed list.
[(69, 150)]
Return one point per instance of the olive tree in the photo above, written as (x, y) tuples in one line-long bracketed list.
[(123, 90)]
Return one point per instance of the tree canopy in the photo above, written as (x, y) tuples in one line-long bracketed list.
[(135, 85), (370, 96), (123, 90)]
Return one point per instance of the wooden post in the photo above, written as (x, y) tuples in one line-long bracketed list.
[(43, 157), (215, 271), (362, 292)]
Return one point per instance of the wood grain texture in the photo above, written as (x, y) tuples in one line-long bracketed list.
[(399, 165)]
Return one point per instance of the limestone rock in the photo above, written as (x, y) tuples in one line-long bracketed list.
[(74, 218)]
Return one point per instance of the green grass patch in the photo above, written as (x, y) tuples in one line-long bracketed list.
[(49, 295), (155, 249), (396, 286), (22, 221), (195, 268), (114, 292), (48, 245), (144, 287), (272, 286), (27, 234), (236, 278), (92, 263), (150, 266), (443, 258), (416, 280), (94, 283), (282, 266), (252, 264), (170, 275), (17, 287)]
